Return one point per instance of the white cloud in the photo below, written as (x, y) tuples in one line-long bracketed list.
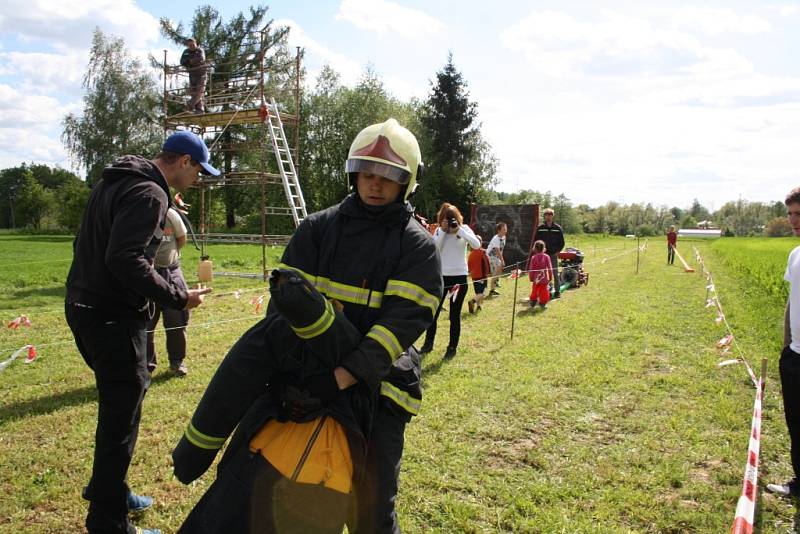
[(615, 45), (716, 21), (43, 72), (29, 127), (787, 10), (20, 109), (320, 55), (19, 145), (383, 17), (69, 23), (645, 150)]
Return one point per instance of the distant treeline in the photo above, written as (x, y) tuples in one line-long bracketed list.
[(39, 197)]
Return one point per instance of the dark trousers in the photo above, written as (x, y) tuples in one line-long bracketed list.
[(175, 322), (197, 89), (376, 492), (670, 254), (455, 310), (114, 348), (556, 276), (790, 385)]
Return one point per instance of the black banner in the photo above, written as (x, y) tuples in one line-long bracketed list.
[(521, 219)]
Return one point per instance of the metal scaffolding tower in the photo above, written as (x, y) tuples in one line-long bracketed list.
[(245, 131)]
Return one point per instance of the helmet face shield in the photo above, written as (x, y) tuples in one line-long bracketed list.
[(390, 172), (386, 149)]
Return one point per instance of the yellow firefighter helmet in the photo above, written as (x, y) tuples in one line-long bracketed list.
[(389, 150)]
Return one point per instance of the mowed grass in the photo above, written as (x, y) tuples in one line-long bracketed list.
[(606, 413)]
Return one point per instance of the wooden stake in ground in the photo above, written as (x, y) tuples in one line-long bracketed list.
[(514, 306), (685, 265)]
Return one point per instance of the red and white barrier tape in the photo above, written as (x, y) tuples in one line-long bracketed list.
[(31, 355), (746, 507), (729, 341)]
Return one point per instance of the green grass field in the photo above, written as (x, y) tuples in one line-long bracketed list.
[(606, 413)]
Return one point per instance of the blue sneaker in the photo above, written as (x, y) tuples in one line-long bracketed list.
[(147, 530), (139, 503)]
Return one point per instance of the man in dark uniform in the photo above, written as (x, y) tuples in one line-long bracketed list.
[(371, 255), (553, 237), (110, 287)]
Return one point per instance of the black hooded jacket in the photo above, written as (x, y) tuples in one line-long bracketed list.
[(112, 266)]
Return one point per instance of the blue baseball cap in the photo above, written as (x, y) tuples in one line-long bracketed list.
[(185, 142)]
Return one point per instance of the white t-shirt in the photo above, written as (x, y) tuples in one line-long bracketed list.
[(793, 277), (496, 246), (495, 253), (174, 228), (452, 249)]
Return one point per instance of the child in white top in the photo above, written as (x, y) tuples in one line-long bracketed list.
[(495, 253)]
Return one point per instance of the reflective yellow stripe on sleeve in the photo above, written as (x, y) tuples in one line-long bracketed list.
[(342, 292), (311, 279), (348, 293), (412, 292), (401, 398), (204, 441), (388, 341), (319, 326)]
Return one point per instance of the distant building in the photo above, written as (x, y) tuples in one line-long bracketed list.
[(700, 232), (706, 225)]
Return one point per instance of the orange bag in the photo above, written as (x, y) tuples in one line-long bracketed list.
[(316, 452)]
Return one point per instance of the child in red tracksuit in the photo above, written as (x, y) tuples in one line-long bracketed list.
[(541, 274)]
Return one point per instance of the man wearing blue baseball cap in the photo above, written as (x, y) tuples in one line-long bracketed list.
[(110, 288)]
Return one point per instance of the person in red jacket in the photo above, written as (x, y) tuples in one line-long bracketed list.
[(479, 270), (541, 274), (672, 244)]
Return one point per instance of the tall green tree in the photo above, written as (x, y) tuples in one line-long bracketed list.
[(120, 109), (11, 181), (459, 162), (71, 198), (33, 202), (234, 49), (332, 117), (325, 142)]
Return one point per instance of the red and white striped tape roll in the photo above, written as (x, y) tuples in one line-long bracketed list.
[(746, 507)]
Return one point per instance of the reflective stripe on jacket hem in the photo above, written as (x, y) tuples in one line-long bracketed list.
[(401, 398), (204, 441)]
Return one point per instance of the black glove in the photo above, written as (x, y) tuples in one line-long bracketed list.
[(295, 298), (190, 461)]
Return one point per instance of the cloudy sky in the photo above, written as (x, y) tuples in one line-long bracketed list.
[(648, 101)]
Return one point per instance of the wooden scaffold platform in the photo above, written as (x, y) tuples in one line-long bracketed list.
[(245, 131)]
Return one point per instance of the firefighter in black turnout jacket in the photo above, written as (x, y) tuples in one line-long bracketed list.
[(321, 399)]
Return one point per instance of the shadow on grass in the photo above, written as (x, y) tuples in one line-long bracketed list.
[(52, 291), (38, 238), (51, 403), (432, 369)]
